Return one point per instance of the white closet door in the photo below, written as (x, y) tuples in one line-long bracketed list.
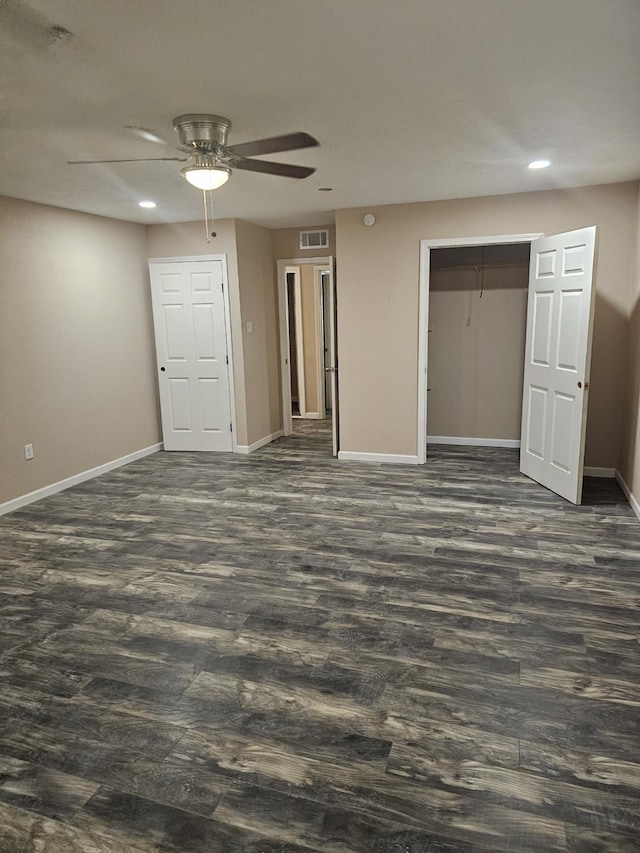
[(557, 361)]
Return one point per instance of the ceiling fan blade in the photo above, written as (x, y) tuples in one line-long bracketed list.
[(273, 145), (284, 169), (134, 160)]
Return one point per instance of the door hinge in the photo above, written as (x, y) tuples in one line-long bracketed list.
[(230, 427), (227, 358)]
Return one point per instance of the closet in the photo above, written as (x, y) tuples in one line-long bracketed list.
[(477, 324)]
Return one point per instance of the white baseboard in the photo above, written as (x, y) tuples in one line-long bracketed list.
[(313, 416), (635, 505), (67, 483), (393, 458), (473, 442), (249, 448), (610, 473)]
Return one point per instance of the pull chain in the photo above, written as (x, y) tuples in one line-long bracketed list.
[(212, 232), (206, 221), (206, 218), (208, 215)]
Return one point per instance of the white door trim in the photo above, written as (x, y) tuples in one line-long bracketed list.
[(283, 333), (297, 313), (285, 345), (227, 324), (191, 259), (423, 313), (320, 333), (283, 324)]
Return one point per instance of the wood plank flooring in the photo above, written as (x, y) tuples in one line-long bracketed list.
[(283, 653)]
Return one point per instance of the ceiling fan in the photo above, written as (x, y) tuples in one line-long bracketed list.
[(210, 162)]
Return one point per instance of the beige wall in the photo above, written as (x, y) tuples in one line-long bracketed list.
[(630, 455), (183, 239), (286, 243), (378, 304), (251, 298), (77, 373), (477, 324), (259, 306)]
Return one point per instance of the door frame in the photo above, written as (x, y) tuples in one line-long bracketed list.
[(297, 313), (283, 324), (324, 378), (227, 326), (321, 374), (423, 312)]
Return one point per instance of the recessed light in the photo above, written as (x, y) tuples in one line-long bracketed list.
[(539, 164), (325, 189), (146, 204)]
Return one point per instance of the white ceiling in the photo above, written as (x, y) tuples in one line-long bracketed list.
[(411, 100)]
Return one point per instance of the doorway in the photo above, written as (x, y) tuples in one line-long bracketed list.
[(426, 248), (306, 299), (559, 329), (325, 285), (296, 342), (477, 330), (194, 359)]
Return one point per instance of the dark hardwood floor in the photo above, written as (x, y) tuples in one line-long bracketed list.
[(282, 653)]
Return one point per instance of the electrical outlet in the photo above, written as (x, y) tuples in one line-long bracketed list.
[(28, 451)]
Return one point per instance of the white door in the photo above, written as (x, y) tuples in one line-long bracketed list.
[(332, 358), (326, 332), (191, 348), (557, 361)]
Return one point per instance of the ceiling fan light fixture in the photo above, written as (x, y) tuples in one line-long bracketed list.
[(206, 176)]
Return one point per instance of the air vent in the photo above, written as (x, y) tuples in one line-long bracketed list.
[(314, 239)]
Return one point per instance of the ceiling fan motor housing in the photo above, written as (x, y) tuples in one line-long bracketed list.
[(202, 131)]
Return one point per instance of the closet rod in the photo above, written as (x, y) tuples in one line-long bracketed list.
[(477, 266)]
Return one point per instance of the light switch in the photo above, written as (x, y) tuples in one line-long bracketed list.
[(249, 326)]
